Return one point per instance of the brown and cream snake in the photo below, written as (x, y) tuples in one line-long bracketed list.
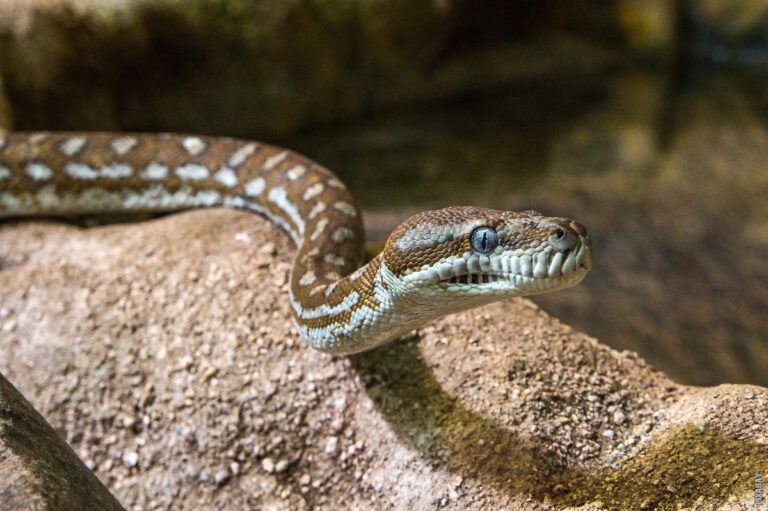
[(435, 263)]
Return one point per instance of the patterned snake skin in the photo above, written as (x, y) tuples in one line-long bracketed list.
[(435, 263)]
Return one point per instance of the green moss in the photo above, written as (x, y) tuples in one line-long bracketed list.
[(687, 465), (683, 467)]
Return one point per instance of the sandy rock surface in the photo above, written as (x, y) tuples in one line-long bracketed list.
[(163, 353)]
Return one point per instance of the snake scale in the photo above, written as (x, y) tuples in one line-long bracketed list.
[(435, 263)]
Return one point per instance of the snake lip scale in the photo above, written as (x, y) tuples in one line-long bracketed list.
[(520, 272), (435, 263)]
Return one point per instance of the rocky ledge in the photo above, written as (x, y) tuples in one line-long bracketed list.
[(163, 354)]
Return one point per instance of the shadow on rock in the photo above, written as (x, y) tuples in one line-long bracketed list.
[(686, 465)]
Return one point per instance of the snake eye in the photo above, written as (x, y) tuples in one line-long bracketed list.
[(484, 240)]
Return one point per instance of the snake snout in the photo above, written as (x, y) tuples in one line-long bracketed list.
[(566, 234), (585, 244), (572, 247)]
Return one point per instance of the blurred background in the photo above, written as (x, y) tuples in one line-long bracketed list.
[(647, 120)]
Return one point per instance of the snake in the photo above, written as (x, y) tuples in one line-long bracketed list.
[(435, 263)]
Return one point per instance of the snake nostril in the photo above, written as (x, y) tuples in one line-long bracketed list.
[(578, 228), (562, 239)]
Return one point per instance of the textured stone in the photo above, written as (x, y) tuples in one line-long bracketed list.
[(502, 407)]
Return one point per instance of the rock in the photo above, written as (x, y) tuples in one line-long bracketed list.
[(268, 465), (281, 466), (512, 421), (221, 477), (38, 470), (131, 459), (331, 445)]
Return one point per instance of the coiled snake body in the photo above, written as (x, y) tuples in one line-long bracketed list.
[(435, 263)]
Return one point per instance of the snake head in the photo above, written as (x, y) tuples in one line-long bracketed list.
[(478, 255)]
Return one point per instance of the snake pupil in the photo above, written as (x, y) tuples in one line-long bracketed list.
[(484, 240)]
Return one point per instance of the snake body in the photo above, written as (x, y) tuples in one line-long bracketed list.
[(435, 263)]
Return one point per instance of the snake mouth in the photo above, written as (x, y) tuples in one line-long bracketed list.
[(475, 278), (542, 266)]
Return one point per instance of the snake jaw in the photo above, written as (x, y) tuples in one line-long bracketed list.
[(516, 272)]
